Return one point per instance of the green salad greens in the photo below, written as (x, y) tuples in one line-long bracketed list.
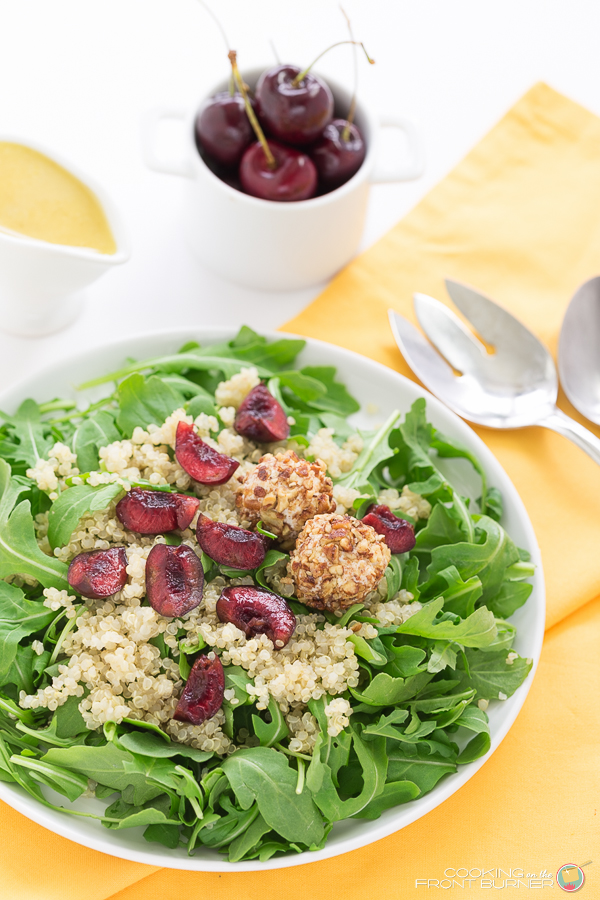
[(418, 709)]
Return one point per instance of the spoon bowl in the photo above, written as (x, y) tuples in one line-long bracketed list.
[(579, 350)]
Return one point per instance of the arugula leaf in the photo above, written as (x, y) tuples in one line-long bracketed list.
[(19, 550), (227, 828), (274, 731), (302, 385), (263, 775), (490, 675), (489, 557), (442, 529), (145, 401), (32, 436), (474, 719), (376, 451), (19, 618), (477, 746), (459, 596), (71, 784), (131, 816), (248, 840), (394, 793), (201, 404), (26, 667), (393, 576), (412, 442), (144, 743), (179, 362), (443, 655), (449, 448), (416, 763), (107, 765), (74, 503), (271, 557), (366, 650), (319, 778), (69, 721), (167, 835), (94, 432), (386, 725), (491, 505), (511, 596), (477, 630), (334, 397), (385, 690)]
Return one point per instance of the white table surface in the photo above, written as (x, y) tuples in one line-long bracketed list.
[(77, 76)]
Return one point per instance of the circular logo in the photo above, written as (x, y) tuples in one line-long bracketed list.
[(570, 877)]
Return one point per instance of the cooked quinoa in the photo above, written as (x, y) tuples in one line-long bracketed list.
[(111, 657)]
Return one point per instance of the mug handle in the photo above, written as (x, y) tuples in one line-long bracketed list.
[(151, 122), (411, 168)]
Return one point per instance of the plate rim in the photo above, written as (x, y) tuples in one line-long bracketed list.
[(386, 825)]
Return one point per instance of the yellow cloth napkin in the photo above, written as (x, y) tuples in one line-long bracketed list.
[(520, 219)]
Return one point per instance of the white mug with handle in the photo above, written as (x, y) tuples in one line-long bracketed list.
[(268, 245)]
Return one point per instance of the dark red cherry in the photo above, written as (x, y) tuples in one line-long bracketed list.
[(398, 533), (156, 512), (98, 573), (337, 159), (203, 693), (222, 128), (202, 462), (174, 579), (294, 114), (229, 545), (261, 417), (255, 611), (294, 178)]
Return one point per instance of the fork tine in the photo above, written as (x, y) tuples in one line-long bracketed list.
[(495, 324), (426, 363), (449, 335)]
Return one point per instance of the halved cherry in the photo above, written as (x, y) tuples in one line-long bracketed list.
[(174, 579), (98, 573), (256, 611), (398, 533), (203, 693), (202, 462), (261, 417), (230, 545), (156, 512)]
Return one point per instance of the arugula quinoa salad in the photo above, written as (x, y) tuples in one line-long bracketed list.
[(235, 618)]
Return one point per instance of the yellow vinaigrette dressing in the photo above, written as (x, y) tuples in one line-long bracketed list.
[(42, 200)]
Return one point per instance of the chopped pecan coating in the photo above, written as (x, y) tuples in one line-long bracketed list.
[(284, 492), (337, 561)]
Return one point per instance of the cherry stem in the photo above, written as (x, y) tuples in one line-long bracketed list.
[(217, 22), (303, 74), (346, 132), (260, 135)]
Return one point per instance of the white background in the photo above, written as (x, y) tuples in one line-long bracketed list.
[(76, 75)]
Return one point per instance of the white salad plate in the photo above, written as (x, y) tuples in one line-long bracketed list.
[(380, 390)]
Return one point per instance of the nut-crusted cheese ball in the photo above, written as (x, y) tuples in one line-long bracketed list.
[(337, 561), (284, 492)]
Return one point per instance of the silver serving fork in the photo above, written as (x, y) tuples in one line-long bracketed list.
[(510, 383)]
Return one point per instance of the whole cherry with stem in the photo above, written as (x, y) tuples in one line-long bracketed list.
[(340, 151), (270, 170), (222, 128), (293, 104)]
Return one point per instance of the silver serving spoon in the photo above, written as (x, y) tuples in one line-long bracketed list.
[(511, 383), (579, 350)]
